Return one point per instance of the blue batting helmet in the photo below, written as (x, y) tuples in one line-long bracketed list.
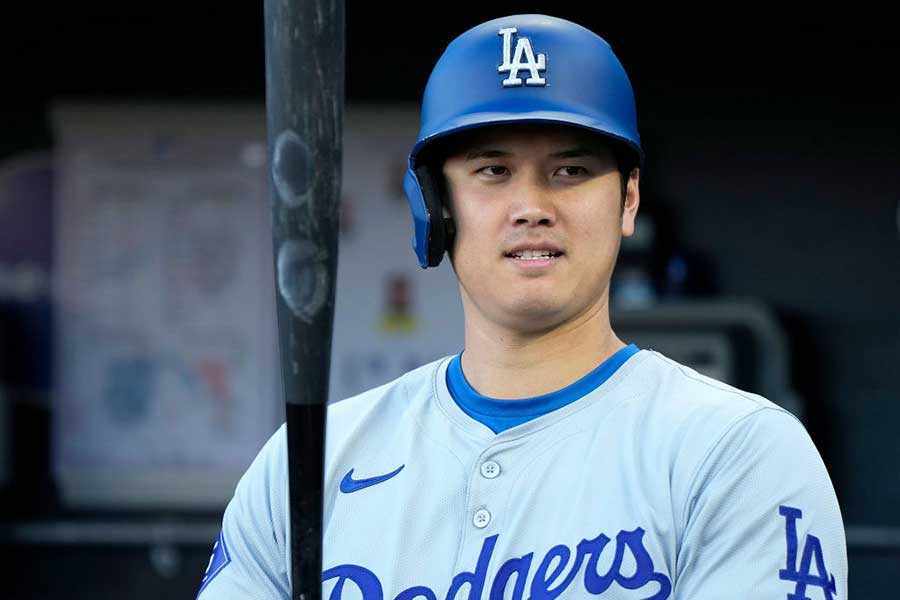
[(517, 69)]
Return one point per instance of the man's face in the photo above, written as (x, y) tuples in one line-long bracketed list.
[(539, 218)]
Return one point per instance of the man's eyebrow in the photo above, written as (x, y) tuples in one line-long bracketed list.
[(578, 152), (486, 153), (573, 152)]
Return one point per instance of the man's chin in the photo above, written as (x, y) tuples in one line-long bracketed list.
[(535, 317)]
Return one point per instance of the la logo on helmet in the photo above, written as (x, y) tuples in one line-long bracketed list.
[(512, 64)]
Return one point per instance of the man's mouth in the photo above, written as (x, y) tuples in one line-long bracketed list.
[(535, 254)]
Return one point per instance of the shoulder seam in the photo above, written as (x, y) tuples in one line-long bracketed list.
[(715, 444), (725, 388), (379, 391)]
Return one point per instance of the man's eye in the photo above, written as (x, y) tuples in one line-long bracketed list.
[(572, 171), (494, 170)]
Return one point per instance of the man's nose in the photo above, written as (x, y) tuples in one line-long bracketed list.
[(533, 206)]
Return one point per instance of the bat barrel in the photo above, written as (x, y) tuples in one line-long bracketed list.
[(304, 108)]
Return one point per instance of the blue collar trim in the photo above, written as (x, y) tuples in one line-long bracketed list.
[(520, 410)]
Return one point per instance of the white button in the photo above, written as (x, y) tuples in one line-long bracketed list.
[(490, 469), (481, 519)]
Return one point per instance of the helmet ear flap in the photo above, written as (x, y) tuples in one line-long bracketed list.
[(441, 228)]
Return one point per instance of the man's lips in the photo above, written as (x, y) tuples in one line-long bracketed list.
[(533, 251), (534, 259)]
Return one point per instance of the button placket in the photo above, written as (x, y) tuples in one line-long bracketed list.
[(488, 493)]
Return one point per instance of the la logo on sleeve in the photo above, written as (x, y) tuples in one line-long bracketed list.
[(217, 561), (812, 552)]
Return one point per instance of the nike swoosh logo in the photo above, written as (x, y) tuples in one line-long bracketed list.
[(348, 484)]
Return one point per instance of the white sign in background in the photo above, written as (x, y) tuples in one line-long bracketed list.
[(166, 380), (164, 365)]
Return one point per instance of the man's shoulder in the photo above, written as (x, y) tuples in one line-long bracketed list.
[(713, 431), (414, 386), (691, 410), (679, 387)]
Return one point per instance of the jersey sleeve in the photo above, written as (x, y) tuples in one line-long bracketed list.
[(251, 557), (762, 519)]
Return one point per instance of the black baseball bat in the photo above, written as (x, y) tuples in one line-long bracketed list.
[(304, 115)]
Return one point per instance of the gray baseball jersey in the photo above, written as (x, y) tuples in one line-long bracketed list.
[(657, 483)]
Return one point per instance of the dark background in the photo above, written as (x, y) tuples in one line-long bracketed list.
[(772, 151)]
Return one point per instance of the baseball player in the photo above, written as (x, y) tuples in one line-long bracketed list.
[(548, 458)]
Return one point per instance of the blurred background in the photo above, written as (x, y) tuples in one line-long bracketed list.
[(138, 365)]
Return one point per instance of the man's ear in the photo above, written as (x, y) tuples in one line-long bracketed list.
[(632, 202)]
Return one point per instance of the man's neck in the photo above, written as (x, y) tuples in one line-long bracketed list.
[(500, 363)]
